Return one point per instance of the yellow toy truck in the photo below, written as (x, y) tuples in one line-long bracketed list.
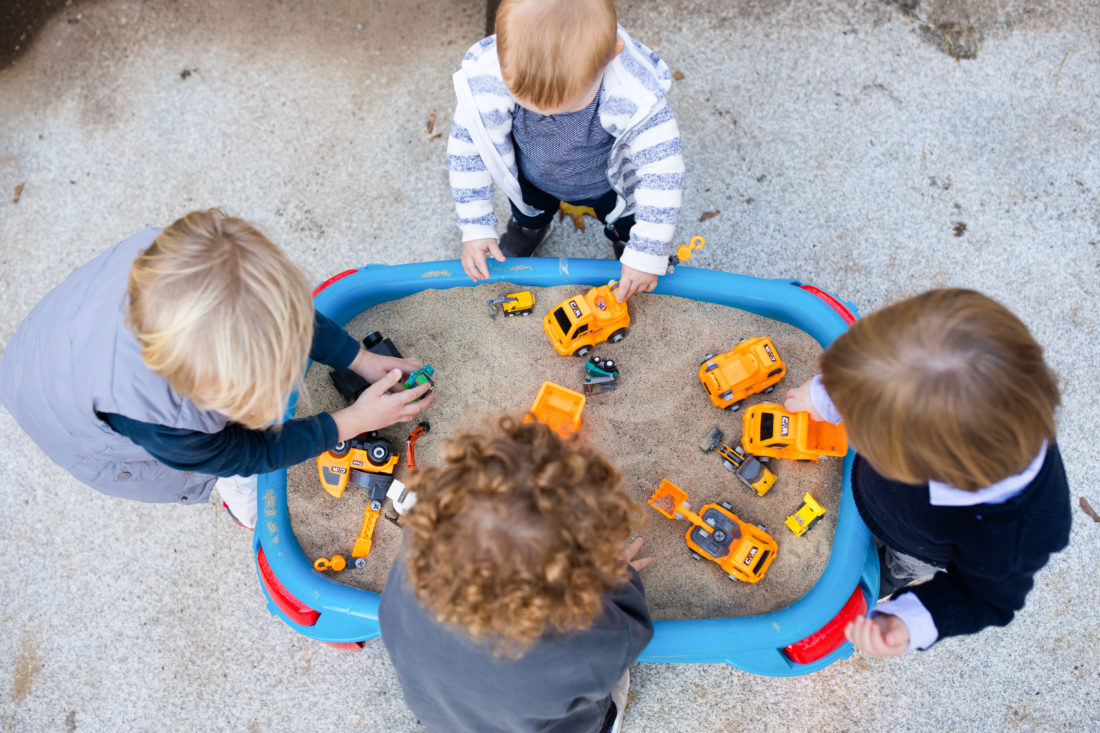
[(770, 431), (809, 514), (747, 468), (512, 304), (743, 551), (752, 366), (575, 325)]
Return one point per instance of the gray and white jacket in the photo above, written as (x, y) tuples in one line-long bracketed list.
[(645, 167)]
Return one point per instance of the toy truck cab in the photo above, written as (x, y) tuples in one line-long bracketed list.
[(752, 366), (773, 432), (577, 324)]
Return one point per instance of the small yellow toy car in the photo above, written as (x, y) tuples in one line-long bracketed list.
[(575, 325), (809, 514), (773, 432), (512, 304), (752, 366)]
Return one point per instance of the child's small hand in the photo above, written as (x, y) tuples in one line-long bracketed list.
[(473, 257), (373, 367), (885, 635), (798, 400), (634, 281), (632, 551), (378, 407)]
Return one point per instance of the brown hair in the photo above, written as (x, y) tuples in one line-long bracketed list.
[(947, 385), (551, 51), (223, 315), (518, 533)]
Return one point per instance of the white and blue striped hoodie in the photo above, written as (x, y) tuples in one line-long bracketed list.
[(645, 168)]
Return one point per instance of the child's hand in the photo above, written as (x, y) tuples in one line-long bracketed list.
[(632, 551), (884, 635), (798, 400), (634, 281), (373, 367), (378, 407), (473, 257)]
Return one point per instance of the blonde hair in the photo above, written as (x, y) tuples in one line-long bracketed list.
[(551, 51), (517, 534), (948, 385), (223, 315)]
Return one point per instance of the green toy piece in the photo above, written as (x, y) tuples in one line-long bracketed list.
[(423, 375)]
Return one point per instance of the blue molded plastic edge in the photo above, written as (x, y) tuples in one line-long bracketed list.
[(752, 643)]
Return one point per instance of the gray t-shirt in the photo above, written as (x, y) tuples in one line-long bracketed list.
[(564, 155), (562, 684)]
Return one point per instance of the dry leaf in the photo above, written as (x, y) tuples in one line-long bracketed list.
[(435, 136), (1087, 509), (677, 75), (18, 193), (355, 721), (576, 213), (709, 215), (184, 74), (431, 122)]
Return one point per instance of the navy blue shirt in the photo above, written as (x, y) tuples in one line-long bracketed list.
[(240, 451)]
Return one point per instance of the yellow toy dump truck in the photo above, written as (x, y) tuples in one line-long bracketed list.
[(576, 325), (752, 366), (772, 432), (743, 551), (809, 514)]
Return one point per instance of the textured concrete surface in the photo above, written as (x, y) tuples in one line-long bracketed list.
[(872, 148)]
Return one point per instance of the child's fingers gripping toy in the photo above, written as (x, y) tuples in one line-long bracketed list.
[(742, 550), (770, 431), (752, 366), (577, 324)]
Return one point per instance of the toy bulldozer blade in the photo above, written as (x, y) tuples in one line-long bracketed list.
[(713, 439)]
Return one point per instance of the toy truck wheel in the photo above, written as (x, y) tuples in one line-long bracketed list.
[(729, 466), (379, 453), (696, 556), (509, 314), (340, 448), (526, 312), (764, 459), (770, 389), (582, 351), (617, 336), (732, 577), (711, 365), (725, 505), (376, 506)]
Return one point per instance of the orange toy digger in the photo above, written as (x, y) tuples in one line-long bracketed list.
[(579, 323), (742, 550), (367, 461)]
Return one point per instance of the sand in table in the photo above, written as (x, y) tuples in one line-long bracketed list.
[(651, 427)]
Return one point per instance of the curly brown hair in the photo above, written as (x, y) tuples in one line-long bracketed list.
[(519, 533)]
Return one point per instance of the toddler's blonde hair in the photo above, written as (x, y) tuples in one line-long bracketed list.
[(948, 385), (552, 50), (223, 315)]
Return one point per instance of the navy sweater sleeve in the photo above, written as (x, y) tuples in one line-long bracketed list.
[(237, 450)]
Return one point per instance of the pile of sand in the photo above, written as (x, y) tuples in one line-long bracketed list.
[(651, 427)]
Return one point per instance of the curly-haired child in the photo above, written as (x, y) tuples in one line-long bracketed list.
[(950, 405), (511, 605), (161, 367), (561, 104)]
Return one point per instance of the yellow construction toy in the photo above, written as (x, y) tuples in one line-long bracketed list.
[(575, 325), (742, 550), (809, 514), (513, 304), (558, 407), (336, 563), (684, 251), (772, 432), (752, 366), (366, 461)]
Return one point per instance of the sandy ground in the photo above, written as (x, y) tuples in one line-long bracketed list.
[(651, 427), (875, 149)]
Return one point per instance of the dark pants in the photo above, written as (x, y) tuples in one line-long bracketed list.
[(618, 233)]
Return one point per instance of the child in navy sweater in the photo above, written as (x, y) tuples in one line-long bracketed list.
[(950, 405)]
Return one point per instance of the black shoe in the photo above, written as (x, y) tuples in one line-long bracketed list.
[(520, 241)]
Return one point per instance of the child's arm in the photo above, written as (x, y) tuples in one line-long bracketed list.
[(472, 191), (655, 151), (378, 407)]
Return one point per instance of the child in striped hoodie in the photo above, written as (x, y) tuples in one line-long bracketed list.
[(563, 105)]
